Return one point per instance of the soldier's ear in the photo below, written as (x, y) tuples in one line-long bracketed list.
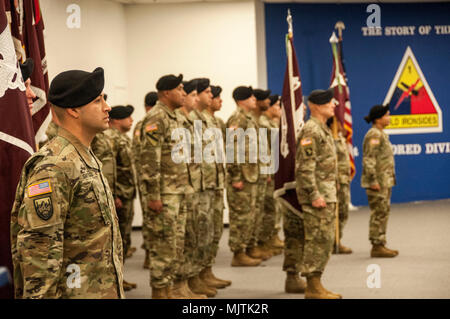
[(73, 112)]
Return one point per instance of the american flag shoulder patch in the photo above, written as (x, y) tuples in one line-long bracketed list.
[(374, 141), (151, 127), (306, 141), (40, 188)]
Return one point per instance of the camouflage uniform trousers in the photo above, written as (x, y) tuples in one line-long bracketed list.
[(166, 239), (190, 267), (205, 228), (319, 230), (268, 222), (344, 200), (218, 225), (279, 214), (294, 240), (241, 215), (125, 214), (259, 211), (380, 205), (145, 223)]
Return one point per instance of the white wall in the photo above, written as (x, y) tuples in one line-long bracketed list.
[(101, 41)]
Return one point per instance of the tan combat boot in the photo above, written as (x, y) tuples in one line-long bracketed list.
[(128, 285), (277, 242), (382, 251), (205, 275), (241, 259), (315, 290), (211, 275), (342, 250), (177, 291), (147, 260), (294, 284), (188, 292), (199, 287), (159, 293), (257, 253)]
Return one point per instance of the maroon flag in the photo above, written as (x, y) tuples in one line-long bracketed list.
[(292, 121), (343, 109), (16, 137), (33, 39)]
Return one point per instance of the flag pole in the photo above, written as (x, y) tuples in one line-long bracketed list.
[(334, 127)]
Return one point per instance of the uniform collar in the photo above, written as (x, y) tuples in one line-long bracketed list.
[(322, 125), (167, 110), (83, 151)]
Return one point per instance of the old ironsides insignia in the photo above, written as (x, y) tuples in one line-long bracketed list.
[(44, 208)]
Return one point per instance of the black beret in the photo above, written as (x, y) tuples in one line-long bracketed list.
[(190, 86), (120, 112), (376, 112), (274, 99), (216, 90), (169, 82), (242, 93), (27, 68), (151, 98), (202, 84), (76, 88), (261, 95), (320, 97)]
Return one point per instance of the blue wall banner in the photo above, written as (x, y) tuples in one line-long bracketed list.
[(403, 61)]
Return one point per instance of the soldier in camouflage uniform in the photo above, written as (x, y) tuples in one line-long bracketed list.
[(64, 231), (218, 203), (259, 247), (149, 101), (163, 183), (344, 178), (377, 178), (209, 181), (242, 180), (190, 268), (316, 178), (269, 232)]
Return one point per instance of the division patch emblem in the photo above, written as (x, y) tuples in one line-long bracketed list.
[(44, 208)]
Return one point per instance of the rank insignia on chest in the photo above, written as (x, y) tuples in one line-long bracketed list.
[(44, 208), (137, 133), (40, 188)]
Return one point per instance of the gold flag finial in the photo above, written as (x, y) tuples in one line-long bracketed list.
[(289, 21)]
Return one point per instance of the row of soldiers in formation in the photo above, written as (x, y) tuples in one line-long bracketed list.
[(71, 220)]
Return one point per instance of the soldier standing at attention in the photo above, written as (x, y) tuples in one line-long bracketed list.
[(316, 177), (259, 243), (218, 202), (149, 101), (120, 123), (344, 178), (163, 186), (242, 180), (65, 235), (377, 178)]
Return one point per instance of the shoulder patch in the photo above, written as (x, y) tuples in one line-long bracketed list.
[(306, 141), (40, 188), (151, 127), (374, 141), (44, 207)]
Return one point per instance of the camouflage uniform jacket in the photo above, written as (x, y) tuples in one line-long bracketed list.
[(103, 149), (136, 146), (378, 160), (121, 143), (316, 163), (52, 130), (343, 158), (159, 174), (194, 169), (63, 217), (209, 169), (265, 122), (249, 170), (214, 122)]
